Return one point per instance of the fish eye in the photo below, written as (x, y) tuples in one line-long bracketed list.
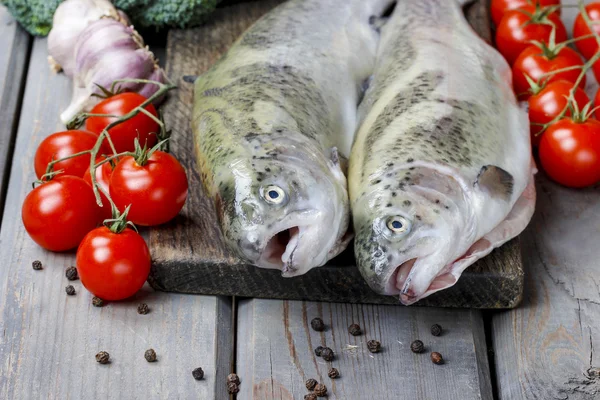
[(398, 225), (273, 194)]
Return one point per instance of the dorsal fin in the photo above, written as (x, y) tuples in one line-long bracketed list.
[(496, 181)]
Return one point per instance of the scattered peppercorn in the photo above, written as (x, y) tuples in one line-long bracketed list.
[(150, 355), (233, 378), (143, 309), (354, 330), (333, 373), (70, 290), (317, 324), (198, 373), (374, 346), (311, 383), (437, 358), (232, 388), (97, 302), (320, 390), (327, 354), (102, 357), (71, 274), (318, 350), (310, 396), (436, 330), (37, 265), (417, 346)]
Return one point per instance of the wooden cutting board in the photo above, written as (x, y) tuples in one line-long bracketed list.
[(189, 254)]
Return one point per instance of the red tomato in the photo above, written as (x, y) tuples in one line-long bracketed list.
[(596, 104), (517, 30), (500, 7), (156, 191), (59, 213), (123, 135), (113, 266), (587, 47), (570, 152), (103, 173), (63, 144), (549, 102), (534, 63)]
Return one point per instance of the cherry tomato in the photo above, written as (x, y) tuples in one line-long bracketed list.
[(103, 173), (123, 135), (570, 152), (500, 7), (549, 102), (534, 63), (517, 30), (60, 212), (63, 144), (587, 47), (156, 190), (113, 266), (596, 104)]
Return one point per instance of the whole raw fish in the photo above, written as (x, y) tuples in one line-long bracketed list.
[(441, 170), (269, 120)]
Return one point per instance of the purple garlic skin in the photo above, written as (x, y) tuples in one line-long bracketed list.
[(106, 51)]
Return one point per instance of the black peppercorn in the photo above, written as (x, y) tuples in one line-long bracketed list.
[(333, 373), (318, 350), (198, 373), (437, 358), (317, 324), (233, 378), (232, 388), (102, 357), (143, 309), (417, 346), (310, 396), (150, 355), (70, 290), (436, 330), (320, 390), (311, 383), (37, 265), (327, 354), (71, 274), (354, 330), (97, 302), (374, 346)]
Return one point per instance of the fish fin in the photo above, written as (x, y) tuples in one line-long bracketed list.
[(190, 78), (496, 181), (340, 163)]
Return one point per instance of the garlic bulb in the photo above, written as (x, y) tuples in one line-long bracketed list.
[(70, 19), (106, 51)]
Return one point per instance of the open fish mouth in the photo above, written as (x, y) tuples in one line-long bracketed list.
[(279, 251), (403, 282)]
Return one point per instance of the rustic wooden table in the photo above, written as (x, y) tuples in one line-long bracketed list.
[(542, 350)]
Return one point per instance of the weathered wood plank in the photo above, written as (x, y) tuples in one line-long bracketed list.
[(275, 352), (48, 340), (190, 255), (14, 49)]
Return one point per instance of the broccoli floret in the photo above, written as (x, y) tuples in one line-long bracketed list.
[(34, 15), (167, 13)]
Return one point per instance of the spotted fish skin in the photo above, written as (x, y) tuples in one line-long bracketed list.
[(440, 171), (278, 111)]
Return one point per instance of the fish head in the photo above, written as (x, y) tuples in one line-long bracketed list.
[(289, 212), (407, 237)]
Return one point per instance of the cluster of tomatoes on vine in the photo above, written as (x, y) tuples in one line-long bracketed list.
[(551, 77), (135, 183)]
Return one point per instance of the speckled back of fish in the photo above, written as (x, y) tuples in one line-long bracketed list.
[(441, 162), (274, 120)]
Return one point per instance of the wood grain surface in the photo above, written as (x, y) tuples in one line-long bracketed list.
[(48, 340), (275, 355), (14, 53), (189, 254)]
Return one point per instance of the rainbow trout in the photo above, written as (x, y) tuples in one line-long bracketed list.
[(441, 170), (273, 121)]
